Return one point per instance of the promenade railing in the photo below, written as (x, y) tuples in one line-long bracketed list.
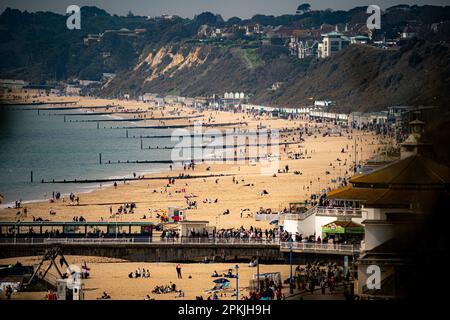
[(143, 240), (320, 247)]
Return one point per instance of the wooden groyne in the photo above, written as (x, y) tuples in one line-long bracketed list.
[(169, 161), (207, 134), (61, 108), (133, 119), (181, 126), (186, 176), (99, 113), (225, 146), (35, 103)]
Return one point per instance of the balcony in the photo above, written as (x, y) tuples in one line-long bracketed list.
[(339, 212), (344, 212)]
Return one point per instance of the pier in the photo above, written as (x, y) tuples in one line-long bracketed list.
[(146, 249)]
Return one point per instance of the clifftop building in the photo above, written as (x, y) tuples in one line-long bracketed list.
[(332, 42)]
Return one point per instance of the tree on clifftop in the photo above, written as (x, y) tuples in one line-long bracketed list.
[(303, 8)]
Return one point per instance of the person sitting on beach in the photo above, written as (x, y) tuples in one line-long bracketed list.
[(229, 274), (215, 274), (105, 296), (85, 270), (130, 275)]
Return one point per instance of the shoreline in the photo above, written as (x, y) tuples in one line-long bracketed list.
[(285, 188), (221, 200)]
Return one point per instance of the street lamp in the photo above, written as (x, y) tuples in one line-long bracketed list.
[(291, 289), (257, 270), (237, 282)]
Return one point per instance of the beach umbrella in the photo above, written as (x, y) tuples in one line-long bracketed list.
[(221, 280)]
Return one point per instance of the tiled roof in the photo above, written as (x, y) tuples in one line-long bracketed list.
[(414, 171), (356, 194), (390, 198)]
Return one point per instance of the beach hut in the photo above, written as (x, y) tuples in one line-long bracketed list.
[(175, 214)]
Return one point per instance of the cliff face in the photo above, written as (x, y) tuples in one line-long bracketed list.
[(203, 70), (358, 78)]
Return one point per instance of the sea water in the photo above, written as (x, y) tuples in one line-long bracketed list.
[(52, 148)]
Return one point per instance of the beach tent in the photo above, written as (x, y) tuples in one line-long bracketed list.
[(221, 280), (220, 284)]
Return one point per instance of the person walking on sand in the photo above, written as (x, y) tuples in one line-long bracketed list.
[(8, 292), (178, 268)]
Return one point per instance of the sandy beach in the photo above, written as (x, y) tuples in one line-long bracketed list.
[(315, 169), (320, 168), (111, 275)]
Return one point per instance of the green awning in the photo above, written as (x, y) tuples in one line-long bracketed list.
[(343, 227)]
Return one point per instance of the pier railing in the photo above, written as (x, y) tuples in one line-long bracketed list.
[(283, 245), (142, 240), (320, 247)]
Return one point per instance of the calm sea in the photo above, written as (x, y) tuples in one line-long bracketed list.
[(54, 149)]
